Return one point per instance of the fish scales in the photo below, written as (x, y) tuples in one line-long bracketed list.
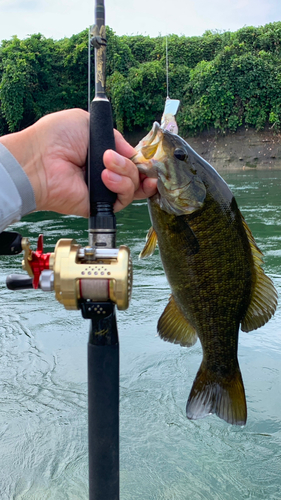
[(212, 265), (216, 280)]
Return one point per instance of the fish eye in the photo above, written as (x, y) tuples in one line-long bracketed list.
[(180, 154)]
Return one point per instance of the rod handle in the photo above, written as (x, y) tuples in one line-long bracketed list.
[(103, 407), (101, 139)]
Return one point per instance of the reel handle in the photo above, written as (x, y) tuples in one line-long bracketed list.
[(18, 282)]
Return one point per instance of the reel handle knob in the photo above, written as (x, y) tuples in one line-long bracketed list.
[(18, 282)]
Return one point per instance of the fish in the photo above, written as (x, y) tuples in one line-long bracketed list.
[(213, 266)]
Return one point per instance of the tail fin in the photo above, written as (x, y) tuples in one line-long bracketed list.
[(212, 393)]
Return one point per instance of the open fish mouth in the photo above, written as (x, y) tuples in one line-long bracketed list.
[(163, 155), (151, 137), (150, 152)]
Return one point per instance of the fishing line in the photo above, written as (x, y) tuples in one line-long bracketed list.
[(167, 67), (168, 120)]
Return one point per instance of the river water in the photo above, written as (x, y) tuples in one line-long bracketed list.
[(164, 456)]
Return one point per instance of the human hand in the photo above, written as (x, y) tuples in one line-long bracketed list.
[(122, 176), (53, 154)]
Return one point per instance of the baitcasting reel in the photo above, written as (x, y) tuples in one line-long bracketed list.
[(79, 276)]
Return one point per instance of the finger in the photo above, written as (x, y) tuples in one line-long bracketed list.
[(147, 189), (123, 186), (122, 146), (122, 166)]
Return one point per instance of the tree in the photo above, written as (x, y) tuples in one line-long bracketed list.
[(223, 80)]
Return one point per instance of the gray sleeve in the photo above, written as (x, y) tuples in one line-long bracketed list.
[(16, 193)]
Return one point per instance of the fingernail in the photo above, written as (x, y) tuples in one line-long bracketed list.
[(114, 177), (119, 160)]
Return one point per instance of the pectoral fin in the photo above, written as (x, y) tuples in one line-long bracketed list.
[(264, 296), (149, 247), (174, 327), (191, 243)]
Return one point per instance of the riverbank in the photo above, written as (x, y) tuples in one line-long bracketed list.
[(243, 149)]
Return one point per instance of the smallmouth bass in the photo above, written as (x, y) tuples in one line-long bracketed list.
[(213, 266)]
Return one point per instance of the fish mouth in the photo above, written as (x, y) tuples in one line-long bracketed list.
[(150, 152)]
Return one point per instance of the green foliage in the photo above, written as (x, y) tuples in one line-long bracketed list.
[(122, 99), (223, 80), (39, 76), (72, 61), (237, 87), (118, 54), (148, 82), (30, 80), (132, 106), (3, 124), (140, 46), (187, 51)]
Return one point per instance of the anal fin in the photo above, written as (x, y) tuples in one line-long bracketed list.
[(150, 245), (174, 327)]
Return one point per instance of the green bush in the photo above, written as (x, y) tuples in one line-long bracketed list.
[(223, 80)]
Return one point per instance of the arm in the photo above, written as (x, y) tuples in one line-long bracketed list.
[(16, 193), (52, 154)]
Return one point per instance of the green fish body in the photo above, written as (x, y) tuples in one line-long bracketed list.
[(213, 267)]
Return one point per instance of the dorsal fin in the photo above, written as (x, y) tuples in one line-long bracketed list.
[(149, 247), (264, 296), (174, 327)]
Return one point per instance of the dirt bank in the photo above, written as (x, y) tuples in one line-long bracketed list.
[(245, 148)]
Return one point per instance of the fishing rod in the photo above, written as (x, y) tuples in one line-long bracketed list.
[(95, 279), (103, 346)]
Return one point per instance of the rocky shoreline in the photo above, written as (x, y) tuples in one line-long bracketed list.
[(244, 149)]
